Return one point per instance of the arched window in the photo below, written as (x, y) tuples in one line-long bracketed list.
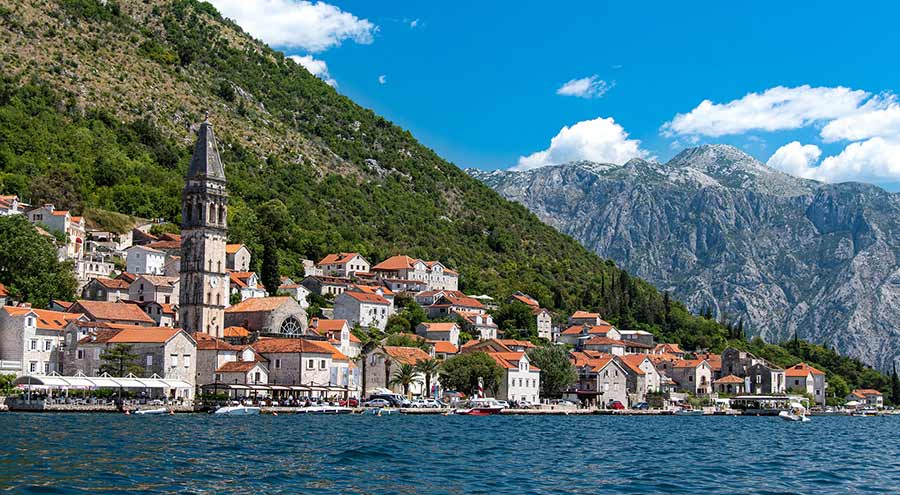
[(290, 326), (222, 214), (219, 264), (209, 262), (189, 212), (218, 299), (208, 298), (212, 213)]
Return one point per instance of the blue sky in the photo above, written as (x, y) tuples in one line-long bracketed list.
[(481, 82)]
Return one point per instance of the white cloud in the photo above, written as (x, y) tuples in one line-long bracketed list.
[(882, 119), (586, 87), (599, 140), (774, 109), (414, 23), (874, 160), (315, 67), (796, 159), (313, 27), (382, 79)]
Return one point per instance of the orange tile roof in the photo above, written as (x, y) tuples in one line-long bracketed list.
[(63, 304), (257, 304), (443, 347), (406, 355), (100, 336), (365, 297), (274, 345), (114, 311), (206, 342), (373, 289), (337, 258), (714, 360), (463, 301), (667, 349), (599, 340), (515, 343), (688, 363), (144, 335), (160, 280), (46, 319), (584, 314), (633, 361), (323, 325), (235, 332), (336, 355), (526, 299), (730, 379), (866, 391), (588, 358), (113, 283), (439, 326), (801, 369), (164, 245), (3, 291), (237, 366), (233, 248), (398, 262)]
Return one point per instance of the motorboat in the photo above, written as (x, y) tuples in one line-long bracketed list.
[(865, 412), (380, 411), (483, 406), (160, 410), (793, 416), (238, 411), (689, 411)]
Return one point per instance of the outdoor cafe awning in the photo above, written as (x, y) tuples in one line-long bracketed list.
[(93, 382)]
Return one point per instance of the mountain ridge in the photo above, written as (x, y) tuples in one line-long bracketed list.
[(722, 230)]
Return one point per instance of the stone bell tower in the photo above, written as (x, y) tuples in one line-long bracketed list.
[(204, 278)]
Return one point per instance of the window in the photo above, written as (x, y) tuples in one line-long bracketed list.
[(310, 364), (187, 360), (48, 344), (277, 364), (79, 354), (167, 299), (149, 359), (256, 377), (32, 366), (47, 368), (218, 377), (321, 364), (174, 358)]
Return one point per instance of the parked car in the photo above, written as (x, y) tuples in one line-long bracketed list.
[(427, 403), (523, 404), (395, 400), (641, 405), (614, 404), (349, 403), (503, 404), (377, 403), (563, 402)]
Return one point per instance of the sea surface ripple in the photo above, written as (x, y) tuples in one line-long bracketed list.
[(287, 454)]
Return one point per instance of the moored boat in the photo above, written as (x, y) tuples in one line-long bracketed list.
[(484, 406), (238, 411), (160, 410), (793, 416)]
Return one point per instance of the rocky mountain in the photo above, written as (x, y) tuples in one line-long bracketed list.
[(723, 231)]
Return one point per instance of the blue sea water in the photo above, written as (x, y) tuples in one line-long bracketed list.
[(200, 454)]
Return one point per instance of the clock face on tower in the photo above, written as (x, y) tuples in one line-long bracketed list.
[(213, 282)]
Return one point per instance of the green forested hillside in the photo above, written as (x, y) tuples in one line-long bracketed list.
[(95, 107)]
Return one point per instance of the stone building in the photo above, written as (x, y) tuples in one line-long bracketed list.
[(30, 339), (204, 274), (280, 315)]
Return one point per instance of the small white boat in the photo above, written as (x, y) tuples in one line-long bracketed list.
[(689, 411), (483, 406), (238, 411), (325, 410), (160, 410), (380, 411), (793, 416)]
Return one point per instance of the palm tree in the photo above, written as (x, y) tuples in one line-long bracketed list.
[(370, 339), (405, 376), (429, 368)]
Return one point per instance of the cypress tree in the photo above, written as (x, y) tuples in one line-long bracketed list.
[(271, 278), (895, 386)]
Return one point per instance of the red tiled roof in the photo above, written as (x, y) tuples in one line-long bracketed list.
[(633, 361), (113, 283), (515, 343), (438, 326), (3, 291), (233, 248), (46, 319), (584, 314), (63, 304), (365, 297), (604, 341), (729, 379), (443, 347), (273, 345), (160, 280), (112, 311), (801, 369), (526, 299), (323, 325), (393, 263), (866, 392), (164, 245), (100, 336), (237, 367), (144, 335), (406, 355), (257, 304), (235, 332), (688, 363), (667, 349), (206, 342), (337, 258), (373, 289)]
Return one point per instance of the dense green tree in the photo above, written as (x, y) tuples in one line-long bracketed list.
[(29, 267), (517, 318), (557, 372), (461, 373), (6, 384), (405, 375), (271, 273), (119, 360)]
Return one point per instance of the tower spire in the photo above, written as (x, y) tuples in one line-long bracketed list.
[(205, 162)]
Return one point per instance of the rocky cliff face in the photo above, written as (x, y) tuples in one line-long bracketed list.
[(720, 229)]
